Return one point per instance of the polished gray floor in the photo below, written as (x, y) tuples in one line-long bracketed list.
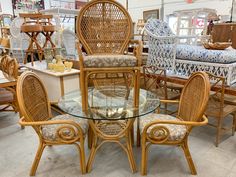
[(18, 147)]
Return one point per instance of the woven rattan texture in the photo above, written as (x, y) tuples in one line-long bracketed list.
[(104, 27), (35, 99), (9, 66), (191, 106)]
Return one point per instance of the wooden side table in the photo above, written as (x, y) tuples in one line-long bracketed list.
[(56, 83)]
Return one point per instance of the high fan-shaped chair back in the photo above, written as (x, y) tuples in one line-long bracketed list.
[(103, 27)]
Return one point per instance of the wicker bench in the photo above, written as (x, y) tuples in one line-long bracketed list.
[(190, 59)]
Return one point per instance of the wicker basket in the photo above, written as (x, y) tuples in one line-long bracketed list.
[(217, 45)]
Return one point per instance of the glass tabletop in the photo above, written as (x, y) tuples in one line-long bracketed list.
[(109, 103)]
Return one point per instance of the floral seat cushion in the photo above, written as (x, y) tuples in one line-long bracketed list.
[(110, 61), (199, 53), (177, 132), (50, 131)]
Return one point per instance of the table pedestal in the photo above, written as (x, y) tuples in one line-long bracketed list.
[(112, 131)]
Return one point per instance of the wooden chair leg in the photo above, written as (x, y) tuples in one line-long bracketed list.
[(82, 157), (188, 157), (130, 154), (82, 88), (37, 159), (144, 158), (138, 132), (234, 123), (90, 137), (132, 135), (218, 134), (92, 154)]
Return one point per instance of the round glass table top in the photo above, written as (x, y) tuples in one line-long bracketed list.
[(109, 103)]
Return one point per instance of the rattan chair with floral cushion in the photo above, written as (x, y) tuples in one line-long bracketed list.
[(104, 28), (36, 111), (154, 80), (219, 109), (160, 129), (9, 68)]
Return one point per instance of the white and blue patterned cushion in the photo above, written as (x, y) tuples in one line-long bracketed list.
[(199, 53), (49, 132), (99, 61), (158, 27), (177, 132)]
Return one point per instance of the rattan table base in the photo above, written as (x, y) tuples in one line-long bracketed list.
[(112, 131)]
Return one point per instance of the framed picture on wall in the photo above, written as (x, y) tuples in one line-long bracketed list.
[(79, 4), (150, 14), (23, 6)]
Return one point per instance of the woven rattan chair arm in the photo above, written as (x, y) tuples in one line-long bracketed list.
[(169, 101), (187, 123), (50, 122)]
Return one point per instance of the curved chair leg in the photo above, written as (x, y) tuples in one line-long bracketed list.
[(92, 154), (37, 159), (188, 157), (82, 157), (130, 154)]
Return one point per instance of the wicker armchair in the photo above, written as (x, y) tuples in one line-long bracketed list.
[(36, 111), (9, 68), (168, 130), (161, 44), (219, 108), (155, 82), (104, 28)]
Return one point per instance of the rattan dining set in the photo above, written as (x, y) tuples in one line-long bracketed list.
[(109, 109)]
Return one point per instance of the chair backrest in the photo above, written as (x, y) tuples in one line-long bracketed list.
[(161, 45), (155, 80), (158, 27), (194, 97), (104, 27), (9, 67), (32, 98), (217, 95)]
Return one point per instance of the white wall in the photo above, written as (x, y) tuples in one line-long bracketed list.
[(6, 7), (136, 7)]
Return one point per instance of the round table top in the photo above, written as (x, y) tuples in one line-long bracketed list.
[(109, 103)]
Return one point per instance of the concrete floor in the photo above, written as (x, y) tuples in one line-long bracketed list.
[(18, 147)]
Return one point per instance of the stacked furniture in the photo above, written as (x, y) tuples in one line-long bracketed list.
[(9, 69), (35, 24)]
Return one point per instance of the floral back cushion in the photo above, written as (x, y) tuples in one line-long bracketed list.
[(158, 27)]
